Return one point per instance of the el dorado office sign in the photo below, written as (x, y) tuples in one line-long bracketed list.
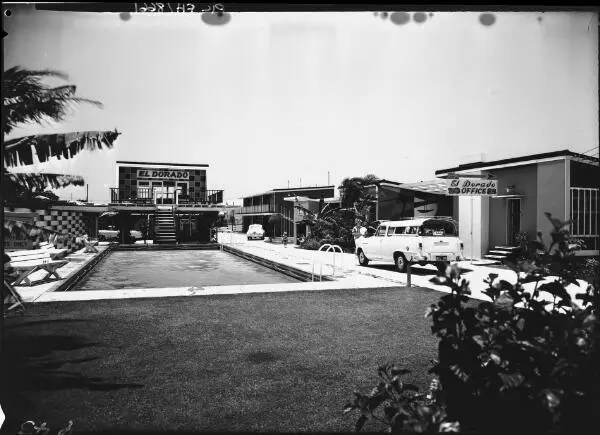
[(163, 174), (472, 187)]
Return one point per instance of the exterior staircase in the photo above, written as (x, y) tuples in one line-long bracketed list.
[(165, 229), (499, 253)]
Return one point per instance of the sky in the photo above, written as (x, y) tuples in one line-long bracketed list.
[(272, 99)]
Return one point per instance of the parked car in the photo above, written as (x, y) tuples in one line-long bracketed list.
[(423, 241), (255, 231)]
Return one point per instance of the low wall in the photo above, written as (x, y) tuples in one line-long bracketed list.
[(68, 222)]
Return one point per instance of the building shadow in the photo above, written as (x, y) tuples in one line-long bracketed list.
[(34, 361)]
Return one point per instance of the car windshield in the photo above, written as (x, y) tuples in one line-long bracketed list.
[(255, 227), (438, 228)]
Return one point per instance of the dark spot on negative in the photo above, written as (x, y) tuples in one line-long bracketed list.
[(487, 19), (430, 14), (216, 19), (400, 18), (384, 15), (261, 357), (419, 17), (125, 16), (540, 19)]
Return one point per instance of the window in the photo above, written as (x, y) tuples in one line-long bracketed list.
[(400, 230), (391, 231), (437, 228), (584, 214), (381, 231)]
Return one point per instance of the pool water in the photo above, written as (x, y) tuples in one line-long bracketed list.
[(159, 269)]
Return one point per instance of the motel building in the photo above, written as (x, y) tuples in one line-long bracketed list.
[(562, 183), (170, 199), (276, 212), (169, 202)]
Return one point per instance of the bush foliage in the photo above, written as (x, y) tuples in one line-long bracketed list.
[(527, 360)]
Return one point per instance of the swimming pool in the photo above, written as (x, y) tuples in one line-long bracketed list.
[(193, 268)]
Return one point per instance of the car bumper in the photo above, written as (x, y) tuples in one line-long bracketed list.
[(438, 256), (255, 236)]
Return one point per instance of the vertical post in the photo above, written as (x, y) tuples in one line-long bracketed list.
[(408, 274), (87, 193), (472, 247)]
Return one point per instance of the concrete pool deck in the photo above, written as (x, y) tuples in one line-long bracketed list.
[(77, 261), (349, 269), (346, 274)]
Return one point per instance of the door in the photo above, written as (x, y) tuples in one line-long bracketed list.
[(377, 244), (513, 211), (157, 189), (182, 191), (387, 245)]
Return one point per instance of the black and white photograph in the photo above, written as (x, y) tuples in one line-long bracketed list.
[(293, 218)]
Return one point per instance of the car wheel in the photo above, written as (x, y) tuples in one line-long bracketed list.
[(400, 262), (362, 259)]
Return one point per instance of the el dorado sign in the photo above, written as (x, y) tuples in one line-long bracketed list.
[(472, 187), (164, 174)]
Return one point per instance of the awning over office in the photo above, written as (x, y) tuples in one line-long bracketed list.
[(438, 186)]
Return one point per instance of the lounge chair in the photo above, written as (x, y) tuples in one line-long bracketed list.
[(13, 303), (26, 263), (55, 254)]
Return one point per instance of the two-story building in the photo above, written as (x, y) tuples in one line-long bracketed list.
[(170, 198), (275, 213)]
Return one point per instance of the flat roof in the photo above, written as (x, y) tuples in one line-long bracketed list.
[(290, 189), (517, 161), (190, 165)]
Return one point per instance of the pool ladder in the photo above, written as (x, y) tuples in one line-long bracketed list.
[(328, 248)]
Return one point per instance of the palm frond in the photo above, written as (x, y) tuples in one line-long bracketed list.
[(26, 99), (61, 145), (38, 182)]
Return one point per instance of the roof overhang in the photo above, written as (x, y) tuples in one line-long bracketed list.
[(519, 161), (161, 165), (438, 187)]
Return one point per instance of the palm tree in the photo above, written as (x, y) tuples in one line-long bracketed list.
[(356, 194), (27, 99)]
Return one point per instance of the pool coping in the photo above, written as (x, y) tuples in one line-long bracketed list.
[(71, 281), (285, 269), (78, 275)]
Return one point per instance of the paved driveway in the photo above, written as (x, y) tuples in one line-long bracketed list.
[(346, 266)]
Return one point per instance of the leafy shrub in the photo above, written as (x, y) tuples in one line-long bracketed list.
[(518, 362), (310, 244), (30, 428)]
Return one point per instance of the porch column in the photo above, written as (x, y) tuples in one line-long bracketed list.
[(473, 227)]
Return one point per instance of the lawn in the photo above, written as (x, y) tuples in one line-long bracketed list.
[(284, 362)]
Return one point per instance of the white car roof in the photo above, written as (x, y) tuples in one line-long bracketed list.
[(414, 222)]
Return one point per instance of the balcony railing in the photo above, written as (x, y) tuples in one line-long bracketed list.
[(262, 208), (150, 196)]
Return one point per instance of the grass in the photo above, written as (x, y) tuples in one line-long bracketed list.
[(284, 362)]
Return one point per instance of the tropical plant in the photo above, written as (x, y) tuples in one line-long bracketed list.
[(330, 225), (356, 193), (273, 220), (528, 360), (27, 99)]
